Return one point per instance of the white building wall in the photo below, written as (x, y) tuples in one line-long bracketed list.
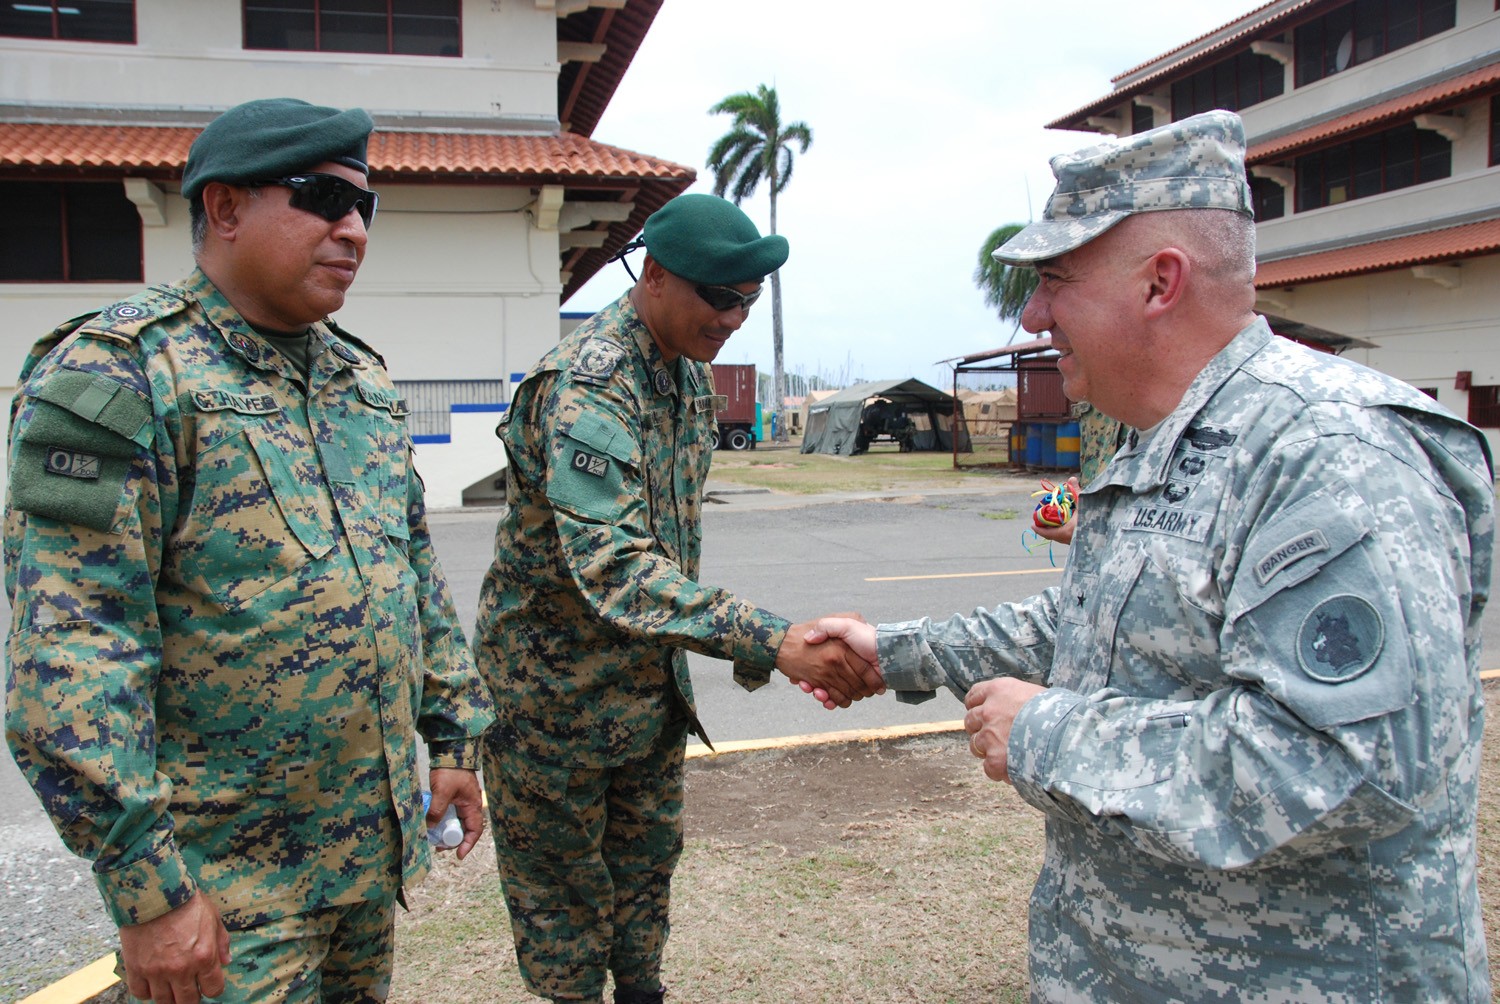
[(189, 58), (1426, 333)]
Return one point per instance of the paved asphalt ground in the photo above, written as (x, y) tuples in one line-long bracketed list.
[(890, 558)]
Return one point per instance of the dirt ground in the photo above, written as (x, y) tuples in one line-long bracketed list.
[(804, 799), (857, 872)]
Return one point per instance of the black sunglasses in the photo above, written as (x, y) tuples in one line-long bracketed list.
[(723, 298), (327, 195)]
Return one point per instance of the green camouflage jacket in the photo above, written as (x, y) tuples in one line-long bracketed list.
[(228, 623), (593, 594)]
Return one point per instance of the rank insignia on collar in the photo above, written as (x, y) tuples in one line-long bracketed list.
[(663, 382)]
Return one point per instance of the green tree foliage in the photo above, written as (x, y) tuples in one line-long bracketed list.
[(758, 148), (1005, 287)]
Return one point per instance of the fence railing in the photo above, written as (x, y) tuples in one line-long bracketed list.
[(431, 402)]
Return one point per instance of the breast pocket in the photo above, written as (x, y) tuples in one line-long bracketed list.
[(380, 451), (253, 522)]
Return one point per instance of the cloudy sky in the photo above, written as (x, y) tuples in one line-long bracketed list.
[(927, 134)]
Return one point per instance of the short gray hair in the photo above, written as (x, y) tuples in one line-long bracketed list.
[(198, 222)]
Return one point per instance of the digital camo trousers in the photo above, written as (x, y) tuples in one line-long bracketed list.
[(586, 859)]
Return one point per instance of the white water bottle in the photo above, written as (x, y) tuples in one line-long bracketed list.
[(449, 832)]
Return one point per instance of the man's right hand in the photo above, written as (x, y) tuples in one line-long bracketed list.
[(856, 635), (178, 957), (840, 675)]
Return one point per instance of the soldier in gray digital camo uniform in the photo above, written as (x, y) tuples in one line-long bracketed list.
[(593, 600), (228, 622), (1251, 712)]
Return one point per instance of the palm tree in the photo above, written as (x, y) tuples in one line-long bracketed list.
[(1005, 287), (757, 146)]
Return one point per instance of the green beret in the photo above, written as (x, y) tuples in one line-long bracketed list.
[(274, 137), (706, 239)]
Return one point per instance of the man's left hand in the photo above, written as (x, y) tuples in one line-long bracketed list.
[(993, 706), (460, 787)]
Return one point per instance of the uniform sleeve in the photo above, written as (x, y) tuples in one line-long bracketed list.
[(456, 706), (90, 477), (1016, 639), (597, 486), (1348, 696)]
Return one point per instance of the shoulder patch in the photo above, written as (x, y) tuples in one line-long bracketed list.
[(597, 360), (1340, 639), (76, 442)]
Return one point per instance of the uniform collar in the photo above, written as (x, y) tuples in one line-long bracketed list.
[(661, 374), (1149, 468), (244, 341)]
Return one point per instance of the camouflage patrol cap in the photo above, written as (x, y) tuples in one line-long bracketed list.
[(1195, 163), (272, 137), (706, 239)]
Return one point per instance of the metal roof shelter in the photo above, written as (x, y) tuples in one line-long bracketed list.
[(1038, 384), (834, 423)]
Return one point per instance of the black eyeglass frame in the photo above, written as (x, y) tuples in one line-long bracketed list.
[(331, 206), (723, 298)]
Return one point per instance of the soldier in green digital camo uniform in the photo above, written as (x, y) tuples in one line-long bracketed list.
[(1252, 711), (228, 621), (592, 600)]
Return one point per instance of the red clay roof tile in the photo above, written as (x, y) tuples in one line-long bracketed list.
[(1466, 241), (1444, 92), (430, 155)]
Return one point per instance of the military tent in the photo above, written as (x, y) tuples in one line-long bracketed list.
[(908, 412)]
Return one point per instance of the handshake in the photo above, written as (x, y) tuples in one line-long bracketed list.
[(832, 658)]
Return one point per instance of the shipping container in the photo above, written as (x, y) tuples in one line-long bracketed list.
[(739, 419)]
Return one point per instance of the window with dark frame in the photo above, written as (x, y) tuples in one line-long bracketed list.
[(1495, 128), (1484, 406), (1238, 82), (1363, 30), (390, 27), (1141, 118), (1387, 161), (70, 20), (1268, 199), (69, 231)]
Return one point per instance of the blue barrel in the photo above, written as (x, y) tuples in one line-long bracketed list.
[(1017, 443), (1049, 446), (1069, 440), (1034, 444)]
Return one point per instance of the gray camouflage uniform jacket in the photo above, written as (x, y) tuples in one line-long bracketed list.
[(592, 601), (228, 624), (1259, 750)]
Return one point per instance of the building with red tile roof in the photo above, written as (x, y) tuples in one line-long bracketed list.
[(496, 204), (1374, 155)]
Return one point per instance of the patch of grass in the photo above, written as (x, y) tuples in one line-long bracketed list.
[(1002, 514), (883, 468)]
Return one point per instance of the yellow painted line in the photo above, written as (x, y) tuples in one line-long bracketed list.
[(90, 981), (695, 750), (962, 575)]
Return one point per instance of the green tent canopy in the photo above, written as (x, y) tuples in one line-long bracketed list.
[(908, 412)]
